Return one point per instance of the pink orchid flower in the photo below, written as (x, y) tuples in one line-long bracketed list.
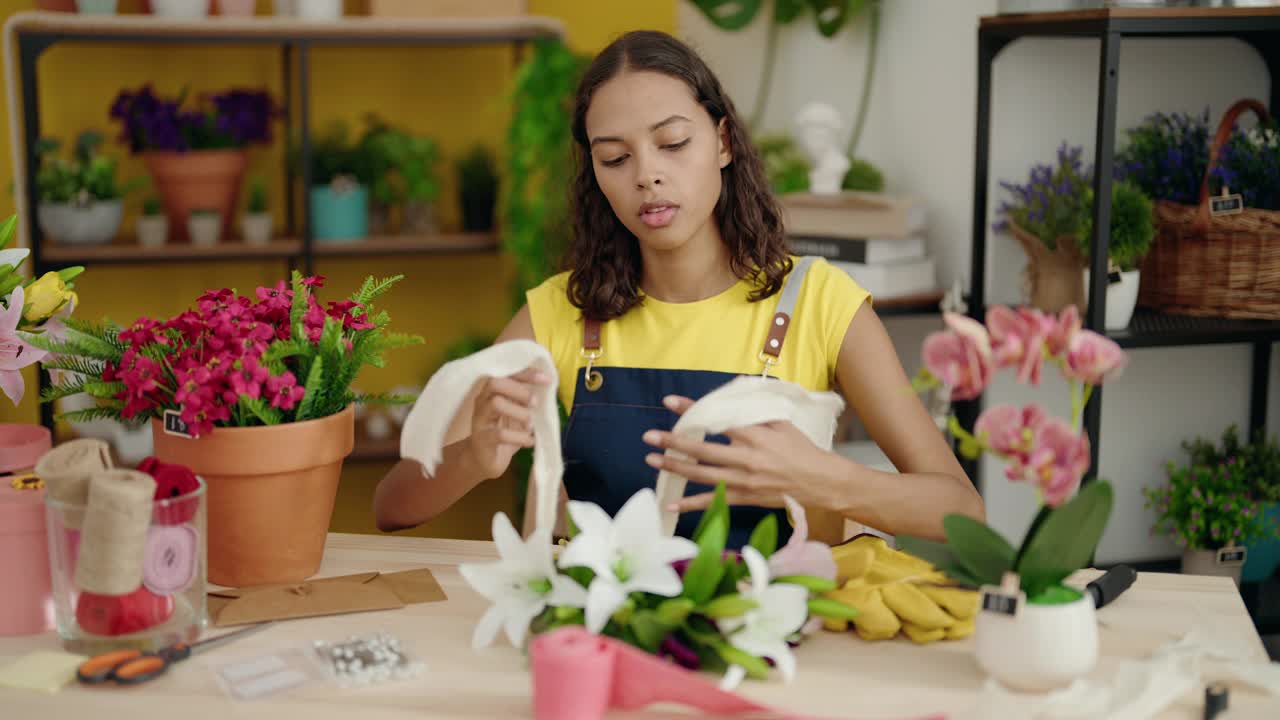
[(802, 556), (1060, 459), (1063, 331), (14, 353), (1093, 358), (1018, 339), (960, 357), (1011, 431)]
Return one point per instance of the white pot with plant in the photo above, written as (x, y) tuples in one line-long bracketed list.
[(180, 8), (79, 202), (1050, 637), (256, 223), (1210, 507), (204, 226), (153, 224), (405, 173), (1132, 230), (318, 9)]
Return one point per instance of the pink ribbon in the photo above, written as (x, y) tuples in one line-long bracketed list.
[(580, 676)]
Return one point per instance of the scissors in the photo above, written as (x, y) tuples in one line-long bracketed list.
[(133, 667)]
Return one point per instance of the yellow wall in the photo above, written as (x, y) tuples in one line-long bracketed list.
[(455, 94)]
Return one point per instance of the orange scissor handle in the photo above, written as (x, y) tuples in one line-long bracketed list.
[(140, 669), (100, 668)]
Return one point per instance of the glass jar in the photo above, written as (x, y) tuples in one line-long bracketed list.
[(126, 578)]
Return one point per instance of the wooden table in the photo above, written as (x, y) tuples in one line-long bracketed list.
[(840, 676)]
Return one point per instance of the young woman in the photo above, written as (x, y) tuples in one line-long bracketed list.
[(679, 280)]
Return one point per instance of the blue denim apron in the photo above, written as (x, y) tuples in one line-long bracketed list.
[(614, 406)]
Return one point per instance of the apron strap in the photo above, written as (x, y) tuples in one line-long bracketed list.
[(782, 315)]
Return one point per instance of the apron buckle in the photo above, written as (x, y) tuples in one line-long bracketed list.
[(769, 361), (593, 379)]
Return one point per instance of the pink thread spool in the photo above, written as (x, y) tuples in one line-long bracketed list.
[(26, 589)]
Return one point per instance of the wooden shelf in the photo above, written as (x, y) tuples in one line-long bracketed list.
[(127, 250), (269, 28), (440, 244), (1127, 13)]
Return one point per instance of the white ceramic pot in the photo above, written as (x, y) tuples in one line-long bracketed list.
[(1122, 298), (284, 8), (256, 228), (153, 230), (204, 229), (92, 224), (180, 8), (318, 9), (1045, 647)]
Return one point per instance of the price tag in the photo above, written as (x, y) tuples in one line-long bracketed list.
[(173, 425), (1007, 599), (1226, 203), (1232, 555)]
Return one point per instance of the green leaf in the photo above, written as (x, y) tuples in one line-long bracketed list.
[(71, 273), (315, 380), (981, 550), (719, 507), (104, 390), (259, 408), (706, 569), (729, 14), (831, 608), (727, 606), (1067, 539), (61, 390), (674, 611), (756, 667), (6, 230), (649, 629), (940, 556), (830, 16), (765, 537), (812, 582), (784, 11)]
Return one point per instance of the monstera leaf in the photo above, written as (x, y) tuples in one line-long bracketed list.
[(831, 15), (729, 14)]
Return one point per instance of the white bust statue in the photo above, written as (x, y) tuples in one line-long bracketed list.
[(819, 131)]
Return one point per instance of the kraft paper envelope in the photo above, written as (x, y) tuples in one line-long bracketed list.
[(324, 596)]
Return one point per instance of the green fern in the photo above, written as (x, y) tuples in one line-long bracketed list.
[(62, 390), (314, 388), (372, 289), (384, 399), (262, 410), (104, 390), (298, 308), (80, 346), (77, 365), (91, 414)]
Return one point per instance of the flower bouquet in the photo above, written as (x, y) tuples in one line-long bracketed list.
[(253, 395), (687, 600), (30, 310), (1045, 452)]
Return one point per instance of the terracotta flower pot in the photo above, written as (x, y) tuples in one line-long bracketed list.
[(1053, 279), (197, 179), (271, 494)]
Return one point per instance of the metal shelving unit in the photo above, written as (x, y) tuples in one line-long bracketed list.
[(29, 34), (1260, 28)]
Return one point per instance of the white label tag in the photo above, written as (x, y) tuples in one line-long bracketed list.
[(1232, 555), (173, 425), (1001, 602), (1226, 205)]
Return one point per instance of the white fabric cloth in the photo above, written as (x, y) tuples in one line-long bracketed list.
[(741, 402), (422, 438)]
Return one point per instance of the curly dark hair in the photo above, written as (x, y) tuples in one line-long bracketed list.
[(603, 257)]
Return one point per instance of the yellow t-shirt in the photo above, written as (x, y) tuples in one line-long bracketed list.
[(723, 333)]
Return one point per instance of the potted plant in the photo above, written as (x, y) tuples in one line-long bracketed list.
[(204, 226), (256, 223), (79, 200), (195, 151), (1210, 506), (153, 226), (254, 395), (237, 8), (318, 9), (403, 174), (341, 175), (96, 7), (1052, 636), (477, 189), (180, 8), (1132, 231)]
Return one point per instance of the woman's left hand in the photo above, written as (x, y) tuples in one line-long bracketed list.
[(760, 465)]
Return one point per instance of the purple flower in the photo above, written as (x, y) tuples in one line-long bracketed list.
[(231, 119), (682, 654)]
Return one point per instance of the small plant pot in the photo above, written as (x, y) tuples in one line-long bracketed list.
[(1122, 298), (1205, 562), (1264, 554), (340, 215), (153, 230), (256, 228), (318, 9), (237, 8), (1044, 648), (180, 8), (204, 229), (419, 219), (96, 7), (93, 224), (379, 218), (284, 8)]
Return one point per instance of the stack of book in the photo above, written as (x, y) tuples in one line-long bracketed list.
[(878, 239)]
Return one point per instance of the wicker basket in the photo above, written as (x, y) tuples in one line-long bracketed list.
[(1214, 266)]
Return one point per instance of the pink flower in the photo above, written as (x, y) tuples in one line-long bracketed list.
[(143, 331), (284, 391), (315, 281), (1010, 431), (1060, 459), (248, 379), (1018, 339), (801, 556), (1063, 331), (1092, 358), (14, 353), (276, 299), (960, 357)]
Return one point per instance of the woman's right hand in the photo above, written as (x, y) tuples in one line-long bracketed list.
[(502, 419)]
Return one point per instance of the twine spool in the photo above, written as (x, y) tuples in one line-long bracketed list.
[(113, 542), (66, 470)]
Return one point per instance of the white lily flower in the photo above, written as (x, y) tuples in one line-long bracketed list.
[(628, 553), (520, 585), (13, 256), (781, 611)]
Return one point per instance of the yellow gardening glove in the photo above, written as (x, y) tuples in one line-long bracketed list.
[(894, 590)]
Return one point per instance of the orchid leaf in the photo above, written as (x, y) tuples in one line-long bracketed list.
[(940, 556), (1066, 540), (765, 537), (982, 551)]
